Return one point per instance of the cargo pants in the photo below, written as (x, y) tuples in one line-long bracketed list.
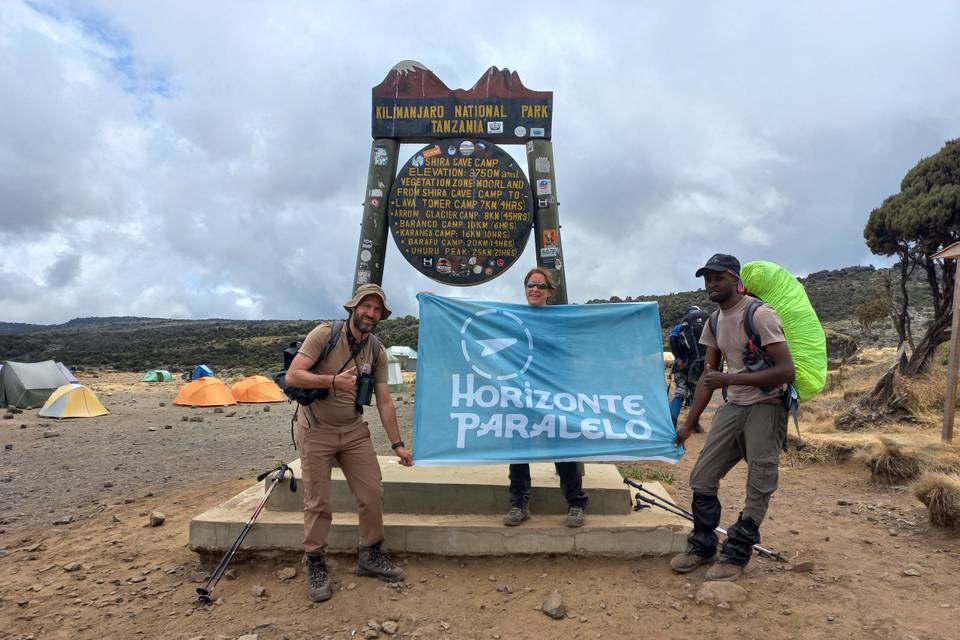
[(755, 433), (353, 451)]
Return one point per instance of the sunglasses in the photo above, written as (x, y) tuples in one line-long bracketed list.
[(537, 285)]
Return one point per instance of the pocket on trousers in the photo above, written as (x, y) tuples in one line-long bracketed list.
[(763, 476)]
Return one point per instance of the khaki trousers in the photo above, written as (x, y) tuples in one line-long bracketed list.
[(319, 446), (755, 433)]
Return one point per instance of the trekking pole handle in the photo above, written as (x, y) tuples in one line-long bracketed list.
[(283, 468)]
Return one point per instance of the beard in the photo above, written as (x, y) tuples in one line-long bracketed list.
[(362, 326)]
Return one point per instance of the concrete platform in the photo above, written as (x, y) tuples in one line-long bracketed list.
[(648, 532), (481, 490)]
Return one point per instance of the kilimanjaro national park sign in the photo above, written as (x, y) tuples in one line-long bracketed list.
[(414, 104), (460, 209)]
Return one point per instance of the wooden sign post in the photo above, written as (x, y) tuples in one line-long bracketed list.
[(460, 209), (950, 401)]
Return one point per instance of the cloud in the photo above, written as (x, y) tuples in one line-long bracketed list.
[(63, 272), (209, 159)]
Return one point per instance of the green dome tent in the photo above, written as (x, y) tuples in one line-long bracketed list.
[(157, 375), (27, 385)]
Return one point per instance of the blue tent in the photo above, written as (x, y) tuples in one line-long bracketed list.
[(201, 371)]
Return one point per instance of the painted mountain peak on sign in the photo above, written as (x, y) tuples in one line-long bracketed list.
[(412, 80), (501, 83)]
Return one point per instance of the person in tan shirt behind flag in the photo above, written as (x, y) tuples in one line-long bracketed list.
[(332, 428)]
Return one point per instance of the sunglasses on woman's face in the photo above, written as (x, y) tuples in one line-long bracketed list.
[(537, 285)]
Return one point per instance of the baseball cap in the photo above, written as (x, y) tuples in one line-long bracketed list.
[(720, 262)]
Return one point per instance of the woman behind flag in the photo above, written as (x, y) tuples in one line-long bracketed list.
[(539, 288)]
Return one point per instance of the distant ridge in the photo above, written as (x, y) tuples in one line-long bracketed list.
[(254, 346)]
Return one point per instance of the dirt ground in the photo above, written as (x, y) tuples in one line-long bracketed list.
[(876, 568)]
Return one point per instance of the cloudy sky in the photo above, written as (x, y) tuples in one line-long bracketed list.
[(208, 159)]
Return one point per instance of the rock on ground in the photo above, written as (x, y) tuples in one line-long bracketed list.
[(721, 592), (553, 606)]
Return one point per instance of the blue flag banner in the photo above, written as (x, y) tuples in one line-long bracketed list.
[(500, 383)]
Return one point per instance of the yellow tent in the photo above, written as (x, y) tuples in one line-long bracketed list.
[(72, 401), (204, 392), (257, 389)]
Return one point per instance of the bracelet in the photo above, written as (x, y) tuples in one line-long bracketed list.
[(396, 445)]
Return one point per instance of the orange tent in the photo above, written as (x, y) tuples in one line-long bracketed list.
[(257, 389), (204, 392)]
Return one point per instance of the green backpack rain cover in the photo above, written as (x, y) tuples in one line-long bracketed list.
[(777, 287)]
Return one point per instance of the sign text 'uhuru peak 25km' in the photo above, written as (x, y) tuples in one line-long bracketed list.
[(414, 104)]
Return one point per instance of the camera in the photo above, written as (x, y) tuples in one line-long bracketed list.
[(296, 394), (306, 396), (365, 382)]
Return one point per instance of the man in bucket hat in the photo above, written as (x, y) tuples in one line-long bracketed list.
[(332, 428)]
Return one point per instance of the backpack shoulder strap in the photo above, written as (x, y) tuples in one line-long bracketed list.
[(375, 347), (713, 321), (335, 330), (748, 325)]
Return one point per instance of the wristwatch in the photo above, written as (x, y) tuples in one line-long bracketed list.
[(396, 445)]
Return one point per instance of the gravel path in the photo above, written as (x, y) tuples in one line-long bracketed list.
[(60, 469)]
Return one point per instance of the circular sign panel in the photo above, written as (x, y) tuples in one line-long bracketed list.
[(461, 211)]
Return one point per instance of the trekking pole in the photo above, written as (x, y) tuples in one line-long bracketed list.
[(205, 592), (670, 507), (683, 512)]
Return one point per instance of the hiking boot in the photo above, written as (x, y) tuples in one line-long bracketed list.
[(686, 562), (575, 517), (724, 571), (373, 561), (516, 516), (319, 586)]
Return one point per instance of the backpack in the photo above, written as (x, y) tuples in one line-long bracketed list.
[(300, 395), (756, 358), (676, 347), (685, 342)]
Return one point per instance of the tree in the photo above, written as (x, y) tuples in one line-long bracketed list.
[(916, 223), (871, 311), (912, 225)]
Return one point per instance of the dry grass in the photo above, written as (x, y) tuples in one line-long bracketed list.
[(925, 395), (890, 462), (824, 448), (941, 494)]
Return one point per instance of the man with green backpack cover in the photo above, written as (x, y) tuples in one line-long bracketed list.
[(750, 425)]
